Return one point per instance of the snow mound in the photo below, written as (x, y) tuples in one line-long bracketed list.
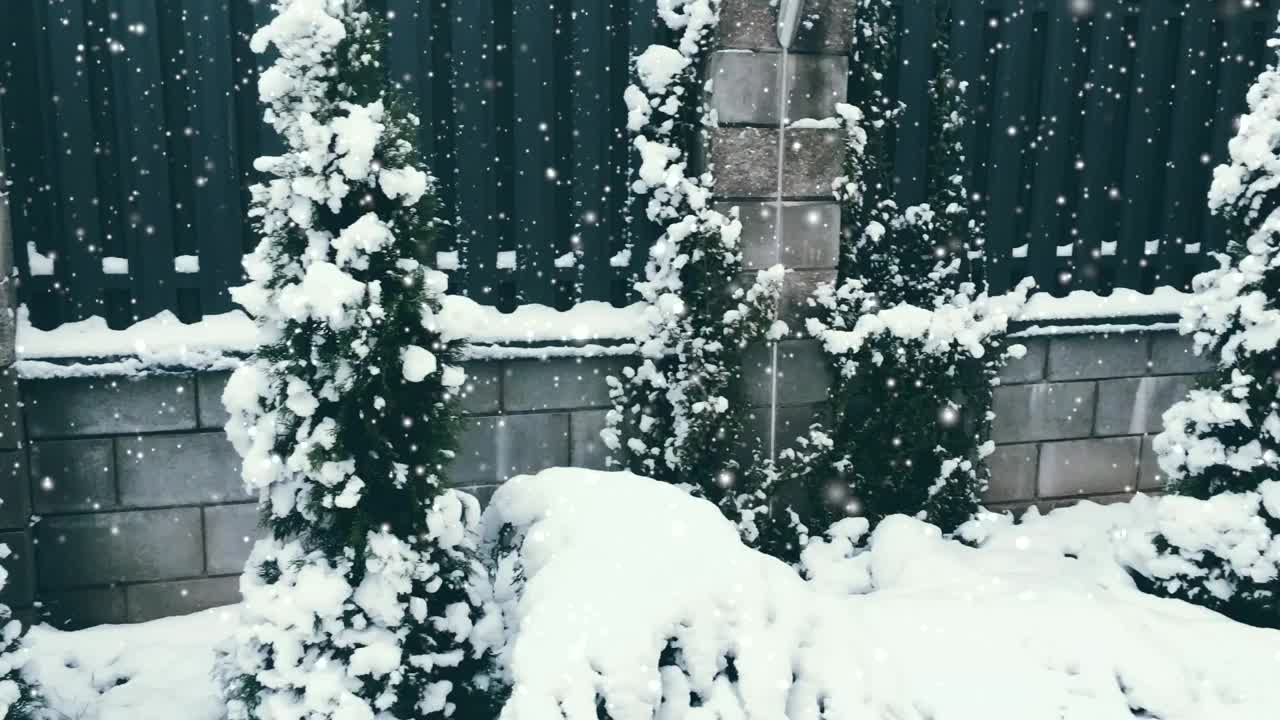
[(629, 593), (160, 670)]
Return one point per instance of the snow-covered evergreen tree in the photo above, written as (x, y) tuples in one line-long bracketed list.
[(1224, 439), (358, 604), (915, 346), (680, 416)]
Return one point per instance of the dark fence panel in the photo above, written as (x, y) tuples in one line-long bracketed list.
[(1096, 127), (133, 127), (133, 124)]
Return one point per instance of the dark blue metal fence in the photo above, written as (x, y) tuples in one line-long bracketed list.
[(132, 126)]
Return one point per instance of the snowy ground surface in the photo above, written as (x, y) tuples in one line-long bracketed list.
[(600, 572)]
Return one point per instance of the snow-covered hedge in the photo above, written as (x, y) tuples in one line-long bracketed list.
[(1223, 442), (629, 597)]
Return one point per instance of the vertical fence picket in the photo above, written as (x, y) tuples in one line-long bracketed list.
[(1148, 140), (475, 151), (1103, 124), (78, 228), (592, 104), (642, 31), (1007, 145), (1054, 140), (217, 176), (1186, 172), (915, 68), (534, 136)]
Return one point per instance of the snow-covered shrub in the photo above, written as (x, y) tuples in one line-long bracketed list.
[(680, 415), (18, 699), (359, 604), (1039, 621), (1225, 437), (916, 347)]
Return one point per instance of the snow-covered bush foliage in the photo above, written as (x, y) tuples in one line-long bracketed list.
[(679, 416), (1039, 621), (359, 604), (915, 346), (1225, 437), (18, 699)]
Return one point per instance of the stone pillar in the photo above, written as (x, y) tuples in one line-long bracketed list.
[(744, 75), (15, 486)]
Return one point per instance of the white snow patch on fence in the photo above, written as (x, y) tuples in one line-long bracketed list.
[(37, 264)]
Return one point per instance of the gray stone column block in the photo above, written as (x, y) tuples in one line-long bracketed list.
[(745, 162), (1131, 406), (73, 475), (87, 550), (793, 423), (103, 406), (744, 86), (1013, 473), (150, 601), (804, 373), (162, 470), (752, 23), (8, 320), (1084, 357), (811, 234), (1095, 466), (229, 534), (1048, 411)]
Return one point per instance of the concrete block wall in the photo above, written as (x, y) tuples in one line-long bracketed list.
[(1075, 416)]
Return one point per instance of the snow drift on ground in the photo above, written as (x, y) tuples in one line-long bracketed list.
[(599, 573), (151, 671)]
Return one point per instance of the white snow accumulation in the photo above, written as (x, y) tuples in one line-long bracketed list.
[(599, 573)]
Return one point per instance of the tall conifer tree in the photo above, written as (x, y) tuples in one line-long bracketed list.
[(357, 605)]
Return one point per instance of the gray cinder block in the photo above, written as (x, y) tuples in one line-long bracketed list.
[(746, 162), (751, 24), (587, 450), (1132, 406), (494, 449), (1095, 466), (1150, 477), (209, 387), (1084, 357), (101, 406), (85, 550), (149, 601), (73, 475), (156, 470), (85, 607), (1047, 411), (482, 393), (558, 383), (744, 86), (804, 373), (1172, 354), (1029, 367), (15, 490), (811, 234), (230, 532), (1013, 473)]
